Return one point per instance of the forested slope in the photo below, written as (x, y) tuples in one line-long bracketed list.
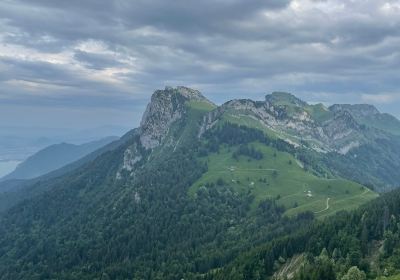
[(193, 194)]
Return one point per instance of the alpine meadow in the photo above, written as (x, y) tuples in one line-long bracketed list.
[(212, 140)]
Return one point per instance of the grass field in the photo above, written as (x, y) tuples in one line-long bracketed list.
[(249, 122), (196, 111), (279, 175), (397, 277)]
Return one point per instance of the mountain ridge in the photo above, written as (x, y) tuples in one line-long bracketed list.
[(333, 131), (54, 157), (166, 106), (204, 185), (297, 118)]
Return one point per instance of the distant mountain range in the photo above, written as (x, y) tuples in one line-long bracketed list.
[(54, 157), (245, 190), (17, 143)]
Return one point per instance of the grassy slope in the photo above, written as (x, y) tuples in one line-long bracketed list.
[(319, 112), (196, 111), (384, 122), (249, 122), (232, 117), (182, 133), (390, 278), (290, 182)]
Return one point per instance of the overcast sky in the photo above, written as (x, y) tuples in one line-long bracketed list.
[(86, 63)]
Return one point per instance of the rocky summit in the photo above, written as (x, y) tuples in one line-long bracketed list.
[(336, 130), (166, 107), (244, 190), (295, 121)]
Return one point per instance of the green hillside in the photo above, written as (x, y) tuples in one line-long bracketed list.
[(397, 277), (200, 192), (384, 122), (54, 157), (245, 120), (278, 175), (319, 112), (360, 244)]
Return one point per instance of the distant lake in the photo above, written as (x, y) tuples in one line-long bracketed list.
[(7, 166)]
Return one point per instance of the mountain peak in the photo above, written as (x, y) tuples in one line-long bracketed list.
[(356, 109), (166, 107), (180, 91), (279, 98)]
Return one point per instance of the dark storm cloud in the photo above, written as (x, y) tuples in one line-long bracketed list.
[(117, 52), (109, 20)]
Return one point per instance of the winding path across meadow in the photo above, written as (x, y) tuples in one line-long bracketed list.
[(326, 208)]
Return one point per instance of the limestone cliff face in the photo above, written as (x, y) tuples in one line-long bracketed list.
[(334, 129), (356, 110), (166, 107), (293, 120), (132, 156)]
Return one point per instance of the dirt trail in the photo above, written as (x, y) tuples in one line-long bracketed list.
[(326, 208)]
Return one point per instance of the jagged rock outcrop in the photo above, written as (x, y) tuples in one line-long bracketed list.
[(132, 155), (166, 107), (334, 129), (331, 129), (356, 110), (339, 128)]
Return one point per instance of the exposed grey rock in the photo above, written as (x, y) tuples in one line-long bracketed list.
[(289, 118), (292, 119), (357, 110), (166, 107), (132, 155)]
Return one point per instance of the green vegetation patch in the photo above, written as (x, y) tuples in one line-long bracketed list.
[(248, 121), (278, 175), (319, 112), (201, 105)]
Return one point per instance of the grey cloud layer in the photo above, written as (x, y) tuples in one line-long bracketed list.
[(332, 50)]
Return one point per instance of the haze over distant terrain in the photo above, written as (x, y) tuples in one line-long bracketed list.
[(244, 190), (54, 157), (207, 140), (254, 139), (19, 142)]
